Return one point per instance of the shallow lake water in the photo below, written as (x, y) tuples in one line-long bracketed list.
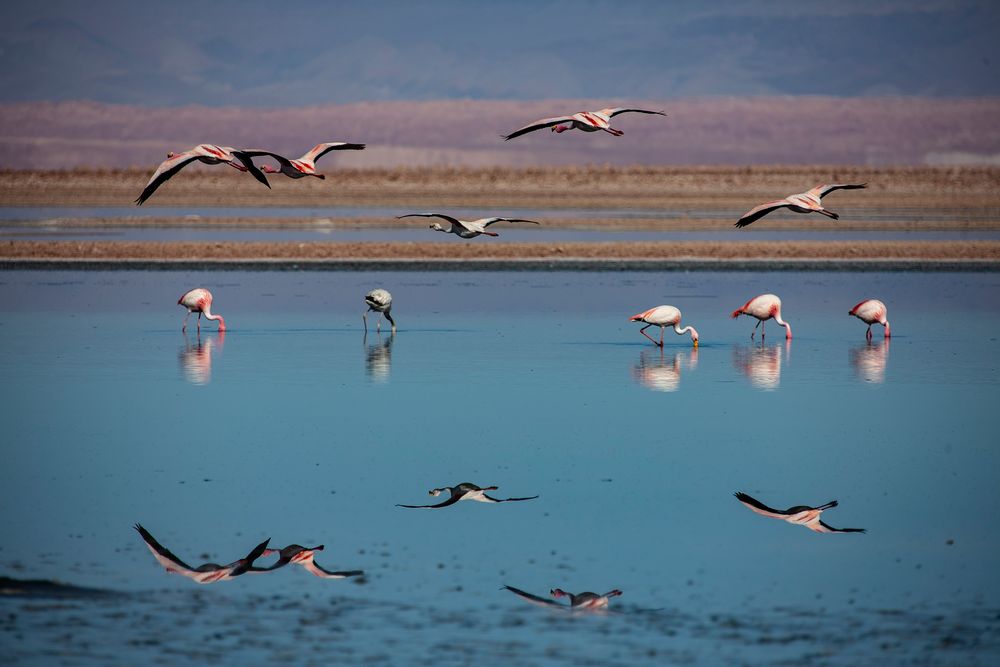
[(296, 426)]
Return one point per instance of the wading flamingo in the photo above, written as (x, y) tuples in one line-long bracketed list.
[(764, 307), (467, 229), (465, 491), (663, 317), (380, 301), (295, 554), (579, 601), (871, 311), (199, 300), (805, 202), (208, 573), (207, 153), (799, 515), (588, 121), (305, 165)]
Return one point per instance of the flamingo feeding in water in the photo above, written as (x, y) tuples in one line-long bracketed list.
[(380, 301), (465, 491), (207, 573), (663, 317), (467, 229), (764, 307), (800, 515), (305, 165), (871, 311), (588, 121), (580, 601), (207, 153), (805, 202), (199, 300), (295, 554)]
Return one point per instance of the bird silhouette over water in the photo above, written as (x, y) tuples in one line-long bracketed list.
[(800, 515), (465, 491), (579, 601), (295, 554), (207, 573)]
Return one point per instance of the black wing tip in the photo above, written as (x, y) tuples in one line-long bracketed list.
[(741, 224)]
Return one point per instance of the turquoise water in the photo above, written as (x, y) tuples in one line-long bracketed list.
[(295, 426)]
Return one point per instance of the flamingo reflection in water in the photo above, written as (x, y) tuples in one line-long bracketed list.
[(378, 357), (869, 361), (762, 364), (657, 372), (196, 358)]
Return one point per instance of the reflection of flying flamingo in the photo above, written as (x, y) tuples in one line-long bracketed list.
[(295, 554), (196, 359), (199, 300), (466, 229), (207, 153), (661, 374), (761, 365), (305, 165), (871, 311), (380, 301), (806, 202), (465, 491), (588, 121), (208, 573), (378, 358), (800, 515), (579, 601), (663, 317), (763, 307), (869, 360)]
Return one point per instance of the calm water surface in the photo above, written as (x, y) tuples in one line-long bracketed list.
[(295, 426)]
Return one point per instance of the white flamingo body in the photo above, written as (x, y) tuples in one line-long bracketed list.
[(871, 311), (800, 515), (585, 601), (466, 229), (809, 201), (305, 165), (465, 491), (380, 301), (207, 573), (206, 153), (586, 121), (663, 317), (199, 300), (764, 307)]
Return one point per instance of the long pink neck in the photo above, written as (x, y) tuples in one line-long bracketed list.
[(207, 312), (887, 328), (788, 327), (681, 332)]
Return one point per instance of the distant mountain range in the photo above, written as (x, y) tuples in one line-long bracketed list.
[(739, 130)]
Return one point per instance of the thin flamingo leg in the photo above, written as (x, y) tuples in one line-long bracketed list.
[(185, 325), (662, 329), (364, 318), (651, 339), (199, 321), (755, 330), (868, 334)]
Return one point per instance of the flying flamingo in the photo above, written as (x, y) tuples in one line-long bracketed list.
[(207, 153), (805, 202), (380, 301), (664, 316), (207, 573), (764, 307), (199, 300), (296, 554), (871, 311), (579, 601), (588, 121), (465, 491), (800, 515), (467, 229), (305, 165)]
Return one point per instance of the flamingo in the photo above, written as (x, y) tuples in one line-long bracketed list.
[(664, 316), (207, 153), (588, 121), (207, 573), (764, 307), (465, 491), (199, 300), (380, 301), (871, 311), (580, 601), (296, 554), (305, 165), (467, 229), (805, 202), (800, 515)]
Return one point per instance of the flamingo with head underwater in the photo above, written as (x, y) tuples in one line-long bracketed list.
[(663, 317), (199, 300), (871, 311), (764, 307)]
